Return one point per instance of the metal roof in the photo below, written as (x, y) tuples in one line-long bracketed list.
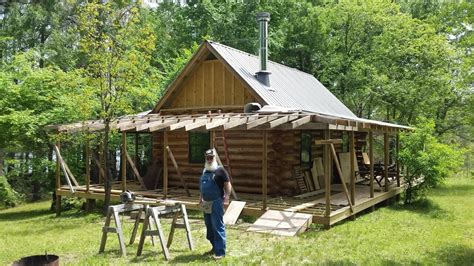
[(288, 88)]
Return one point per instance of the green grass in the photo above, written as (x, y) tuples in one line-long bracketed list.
[(439, 230)]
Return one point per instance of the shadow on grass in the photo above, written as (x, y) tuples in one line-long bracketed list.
[(455, 255), (191, 258), (425, 207), (24, 215)]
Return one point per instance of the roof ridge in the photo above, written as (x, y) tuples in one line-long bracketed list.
[(273, 62)]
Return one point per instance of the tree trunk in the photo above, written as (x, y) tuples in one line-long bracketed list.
[(107, 181), (2, 158)]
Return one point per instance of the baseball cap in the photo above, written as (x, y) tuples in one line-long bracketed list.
[(209, 153)]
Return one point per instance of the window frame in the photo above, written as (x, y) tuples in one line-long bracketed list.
[(198, 148)]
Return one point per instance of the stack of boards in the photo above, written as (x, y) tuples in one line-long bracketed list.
[(312, 179)]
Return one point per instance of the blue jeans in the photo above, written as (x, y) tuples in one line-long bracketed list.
[(215, 227)]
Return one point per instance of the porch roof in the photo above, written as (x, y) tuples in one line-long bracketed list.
[(283, 119)]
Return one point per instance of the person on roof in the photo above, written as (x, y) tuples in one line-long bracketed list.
[(215, 188)]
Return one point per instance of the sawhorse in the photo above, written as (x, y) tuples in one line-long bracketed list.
[(154, 213), (115, 211)]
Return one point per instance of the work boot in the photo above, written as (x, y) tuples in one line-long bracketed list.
[(215, 257)]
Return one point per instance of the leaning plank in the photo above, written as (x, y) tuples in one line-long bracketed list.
[(61, 163), (281, 223), (177, 170), (135, 171), (338, 167), (71, 176), (101, 170), (233, 211)]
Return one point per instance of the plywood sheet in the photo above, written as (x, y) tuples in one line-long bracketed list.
[(345, 161), (318, 171), (233, 211), (281, 223)]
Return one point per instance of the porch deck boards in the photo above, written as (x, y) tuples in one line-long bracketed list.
[(314, 205)]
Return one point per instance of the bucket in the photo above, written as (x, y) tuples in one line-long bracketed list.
[(41, 260)]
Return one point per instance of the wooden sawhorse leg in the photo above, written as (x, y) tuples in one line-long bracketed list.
[(152, 213), (114, 211), (184, 225)]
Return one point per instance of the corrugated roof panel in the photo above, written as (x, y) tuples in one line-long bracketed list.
[(289, 87)]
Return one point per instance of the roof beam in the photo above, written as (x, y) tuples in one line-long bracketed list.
[(301, 121), (197, 123), (149, 124), (240, 121), (165, 124), (261, 121), (283, 120), (182, 122), (216, 122)]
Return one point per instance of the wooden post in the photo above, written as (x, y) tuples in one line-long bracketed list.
[(371, 158), (264, 170), (135, 160), (101, 163), (327, 174), (352, 166), (212, 139), (123, 161), (396, 158), (88, 165), (165, 165), (385, 160), (58, 178)]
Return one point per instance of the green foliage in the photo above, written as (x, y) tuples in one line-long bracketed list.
[(8, 196), (428, 162)]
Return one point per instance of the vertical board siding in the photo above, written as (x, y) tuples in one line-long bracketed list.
[(211, 84)]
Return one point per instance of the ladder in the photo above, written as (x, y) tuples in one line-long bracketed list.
[(226, 154)]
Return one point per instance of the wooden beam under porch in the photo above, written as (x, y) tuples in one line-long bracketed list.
[(314, 205)]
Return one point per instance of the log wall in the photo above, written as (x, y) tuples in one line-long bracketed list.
[(245, 153)]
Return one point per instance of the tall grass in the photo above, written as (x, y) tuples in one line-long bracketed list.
[(438, 230)]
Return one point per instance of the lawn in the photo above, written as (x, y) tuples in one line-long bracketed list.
[(439, 230)]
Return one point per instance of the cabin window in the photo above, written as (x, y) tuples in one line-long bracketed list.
[(198, 143), (305, 150), (345, 142)]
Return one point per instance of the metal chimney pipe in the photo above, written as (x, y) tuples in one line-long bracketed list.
[(263, 75)]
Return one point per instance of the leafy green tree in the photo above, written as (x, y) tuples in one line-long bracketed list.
[(428, 162), (33, 97), (117, 46)]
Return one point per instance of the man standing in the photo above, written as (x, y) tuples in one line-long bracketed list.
[(215, 191)]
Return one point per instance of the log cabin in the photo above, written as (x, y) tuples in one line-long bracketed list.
[(286, 140)]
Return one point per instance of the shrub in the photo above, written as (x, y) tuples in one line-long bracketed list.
[(428, 162), (8, 196)]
